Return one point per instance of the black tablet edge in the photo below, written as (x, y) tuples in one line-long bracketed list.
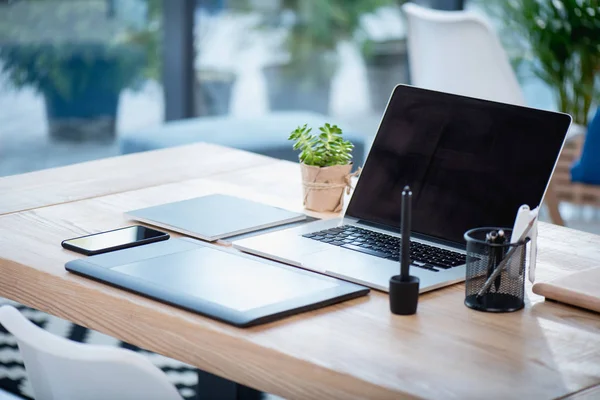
[(341, 292), (326, 300)]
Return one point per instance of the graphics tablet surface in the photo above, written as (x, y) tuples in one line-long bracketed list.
[(235, 288)]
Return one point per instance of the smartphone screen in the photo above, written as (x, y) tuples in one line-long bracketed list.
[(117, 239)]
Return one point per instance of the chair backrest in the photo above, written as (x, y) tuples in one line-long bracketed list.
[(459, 52), (60, 369)]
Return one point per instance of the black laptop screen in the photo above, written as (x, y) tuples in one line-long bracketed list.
[(470, 163)]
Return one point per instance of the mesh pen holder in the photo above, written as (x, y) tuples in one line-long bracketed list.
[(503, 291)]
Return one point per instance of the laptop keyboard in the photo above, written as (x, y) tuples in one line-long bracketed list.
[(385, 246)]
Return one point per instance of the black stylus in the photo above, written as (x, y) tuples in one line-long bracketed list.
[(405, 224), (404, 288)]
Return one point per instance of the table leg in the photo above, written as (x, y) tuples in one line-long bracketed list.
[(214, 387)]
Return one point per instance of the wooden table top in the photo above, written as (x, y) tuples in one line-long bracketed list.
[(356, 349)]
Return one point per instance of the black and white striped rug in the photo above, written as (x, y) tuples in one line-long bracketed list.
[(12, 372)]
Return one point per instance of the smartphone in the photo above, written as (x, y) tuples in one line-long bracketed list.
[(117, 239)]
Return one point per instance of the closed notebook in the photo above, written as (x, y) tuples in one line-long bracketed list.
[(581, 289), (215, 216)]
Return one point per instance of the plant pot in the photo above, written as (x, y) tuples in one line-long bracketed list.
[(387, 66), (288, 90), (89, 116), (324, 187), (80, 81), (213, 92)]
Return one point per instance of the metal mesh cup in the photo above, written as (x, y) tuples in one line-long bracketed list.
[(505, 291)]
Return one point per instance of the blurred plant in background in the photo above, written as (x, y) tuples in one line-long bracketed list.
[(560, 39), (383, 45), (308, 34), (78, 56), (149, 39), (317, 26), (63, 51), (67, 70)]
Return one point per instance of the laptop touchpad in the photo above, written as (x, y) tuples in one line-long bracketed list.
[(348, 261)]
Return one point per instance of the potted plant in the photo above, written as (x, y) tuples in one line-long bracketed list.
[(559, 41), (301, 77), (382, 41), (326, 164), (80, 80), (80, 84), (216, 42)]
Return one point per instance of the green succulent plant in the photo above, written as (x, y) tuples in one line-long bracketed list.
[(323, 150)]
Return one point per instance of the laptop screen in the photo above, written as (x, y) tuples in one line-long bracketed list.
[(470, 163)]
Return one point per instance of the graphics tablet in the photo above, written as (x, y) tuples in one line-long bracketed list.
[(236, 288)]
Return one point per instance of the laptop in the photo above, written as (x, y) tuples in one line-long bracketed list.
[(469, 162)]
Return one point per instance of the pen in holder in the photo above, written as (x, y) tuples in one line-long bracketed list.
[(495, 280)]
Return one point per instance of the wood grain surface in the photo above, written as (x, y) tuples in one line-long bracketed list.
[(356, 349), (118, 174)]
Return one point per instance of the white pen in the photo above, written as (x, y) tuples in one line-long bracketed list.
[(501, 266)]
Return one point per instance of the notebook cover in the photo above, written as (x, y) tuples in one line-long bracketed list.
[(215, 216), (581, 289)]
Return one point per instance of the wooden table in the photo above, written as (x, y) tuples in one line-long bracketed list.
[(356, 349)]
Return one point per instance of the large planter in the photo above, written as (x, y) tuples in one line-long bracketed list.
[(288, 90), (89, 116), (324, 187), (213, 92), (80, 82), (387, 66)]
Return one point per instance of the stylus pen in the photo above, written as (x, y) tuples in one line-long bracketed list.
[(405, 232), (500, 266), (490, 238), (499, 255)]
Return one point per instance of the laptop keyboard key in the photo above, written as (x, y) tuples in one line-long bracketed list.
[(372, 252), (387, 246), (437, 264), (428, 268)]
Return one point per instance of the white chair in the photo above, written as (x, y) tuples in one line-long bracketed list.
[(459, 52), (60, 369)]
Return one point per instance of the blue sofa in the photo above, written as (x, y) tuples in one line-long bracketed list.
[(263, 134), (587, 168)]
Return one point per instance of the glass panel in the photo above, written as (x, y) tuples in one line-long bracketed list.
[(74, 74), (338, 59), (86, 82)]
